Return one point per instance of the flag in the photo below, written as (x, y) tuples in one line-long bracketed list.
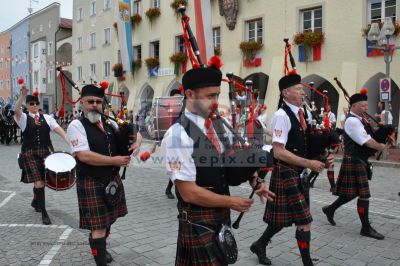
[(371, 52), (124, 25), (202, 9), (253, 62), (314, 53), (154, 72)]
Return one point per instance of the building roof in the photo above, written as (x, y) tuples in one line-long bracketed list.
[(66, 23)]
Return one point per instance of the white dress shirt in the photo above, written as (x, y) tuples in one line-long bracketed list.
[(355, 129), (21, 122)]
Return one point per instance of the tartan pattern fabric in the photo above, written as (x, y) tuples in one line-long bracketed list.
[(353, 178), (33, 164), (195, 245), (94, 213), (290, 203)]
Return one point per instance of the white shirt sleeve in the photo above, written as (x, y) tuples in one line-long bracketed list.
[(355, 129), (280, 127), (177, 150), (51, 122), (21, 122), (77, 137)]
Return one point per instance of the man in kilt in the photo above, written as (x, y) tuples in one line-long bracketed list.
[(289, 142), (36, 146), (189, 148), (93, 143), (355, 169)]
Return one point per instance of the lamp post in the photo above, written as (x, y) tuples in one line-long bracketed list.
[(380, 40)]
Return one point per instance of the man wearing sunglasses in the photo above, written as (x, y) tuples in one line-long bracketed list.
[(36, 146), (93, 143)]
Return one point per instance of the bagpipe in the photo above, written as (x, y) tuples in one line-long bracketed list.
[(126, 133), (322, 139), (380, 133)]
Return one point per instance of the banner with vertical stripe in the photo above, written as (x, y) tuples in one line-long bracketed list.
[(125, 34), (204, 34)]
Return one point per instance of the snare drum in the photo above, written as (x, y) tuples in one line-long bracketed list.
[(166, 111), (60, 171)]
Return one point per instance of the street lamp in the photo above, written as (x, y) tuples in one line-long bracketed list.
[(381, 41)]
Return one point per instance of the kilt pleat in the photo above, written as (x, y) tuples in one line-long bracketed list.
[(353, 179), (195, 245), (290, 203), (94, 213), (33, 164)]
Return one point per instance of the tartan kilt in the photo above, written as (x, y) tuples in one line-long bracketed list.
[(290, 203), (94, 213), (32, 163), (353, 179), (195, 245)]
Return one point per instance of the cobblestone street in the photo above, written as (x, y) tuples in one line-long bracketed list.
[(147, 235)]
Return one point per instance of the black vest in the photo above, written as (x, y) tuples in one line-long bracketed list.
[(209, 164), (35, 136), (351, 148), (102, 143), (297, 137)]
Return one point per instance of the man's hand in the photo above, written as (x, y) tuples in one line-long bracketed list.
[(330, 160), (240, 204), (263, 192), (122, 161), (24, 90), (316, 166), (135, 148)]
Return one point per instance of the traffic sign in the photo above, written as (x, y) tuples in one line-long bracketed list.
[(385, 89)]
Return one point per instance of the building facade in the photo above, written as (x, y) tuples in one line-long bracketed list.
[(5, 87)]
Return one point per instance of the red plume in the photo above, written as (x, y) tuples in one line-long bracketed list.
[(215, 61), (144, 156), (180, 88), (292, 72), (364, 91), (61, 112), (104, 85), (21, 81), (35, 93)]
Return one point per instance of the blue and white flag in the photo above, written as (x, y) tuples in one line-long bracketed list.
[(124, 25)]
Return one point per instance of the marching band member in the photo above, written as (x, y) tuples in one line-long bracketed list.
[(36, 146), (289, 142), (353, 176)]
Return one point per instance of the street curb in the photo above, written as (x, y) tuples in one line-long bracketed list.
[(377, 163)]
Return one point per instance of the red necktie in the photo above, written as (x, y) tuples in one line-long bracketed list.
[(302, 120), (37, 120), (212, 135), (99, 126)]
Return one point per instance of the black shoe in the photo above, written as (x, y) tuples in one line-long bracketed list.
[(109, 258), (45, 218), (371, 232), (329, 215), (261, 254), (169, 194), (35, 206)]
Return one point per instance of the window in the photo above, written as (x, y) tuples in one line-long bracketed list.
[(155, 3), (106, 69), (26, 56), (107, 36), (217, 37), (311, 20), (93, 8), (79, 44), (107, 4), (1, 84), (155, 49), (35, 50), (50, 76), (50, 48), (92, 70), (92, 40), (79, 15), (254, 30), (79, 72), (379, 9), (180, 44), (137, 7), (137, 52), (35, 77)]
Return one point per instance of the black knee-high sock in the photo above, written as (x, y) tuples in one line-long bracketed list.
[(98, 247), (41, 202), (170, 184), (303, 242), (269, 232), (339, 202), (331, 177), (363, 209)]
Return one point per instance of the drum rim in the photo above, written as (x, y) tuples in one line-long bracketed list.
[(72, 169)]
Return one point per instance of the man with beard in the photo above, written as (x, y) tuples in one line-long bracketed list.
[(189, 146), (36, 146), (354, 172), (100, 191), (289, 142)]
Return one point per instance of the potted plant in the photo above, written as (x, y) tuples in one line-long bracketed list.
[(118, 70), (137, 64), (309, 40), (153, 13), (179, 58), (249, 49), (177, 3), (217, 51), (136, 19)]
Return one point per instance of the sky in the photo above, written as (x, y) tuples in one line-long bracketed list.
[(12, 11)]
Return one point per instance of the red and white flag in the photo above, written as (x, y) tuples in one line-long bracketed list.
[(204, 29)]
